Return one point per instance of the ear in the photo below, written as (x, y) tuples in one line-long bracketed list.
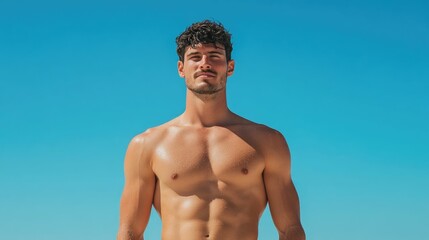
[(231, 65), (180, 69)]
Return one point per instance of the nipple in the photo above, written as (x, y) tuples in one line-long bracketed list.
[(244, 171), (174, 176)]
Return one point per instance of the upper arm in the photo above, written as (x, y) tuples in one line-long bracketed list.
[(137, 196), (281, 193)]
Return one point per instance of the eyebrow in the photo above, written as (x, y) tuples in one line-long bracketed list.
[(192, 54), (218, 52), (198, 53)]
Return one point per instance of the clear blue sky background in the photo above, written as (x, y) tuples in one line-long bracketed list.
[(345, 81)]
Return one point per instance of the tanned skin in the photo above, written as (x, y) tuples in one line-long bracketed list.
[(209, 172)]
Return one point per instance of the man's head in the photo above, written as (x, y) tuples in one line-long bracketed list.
[(204, 32), (205, 62)]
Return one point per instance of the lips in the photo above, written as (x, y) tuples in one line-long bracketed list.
[(205, 74)]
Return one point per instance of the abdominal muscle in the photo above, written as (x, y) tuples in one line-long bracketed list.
[(216, 212)]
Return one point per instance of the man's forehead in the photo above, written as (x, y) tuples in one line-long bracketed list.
[(205, 47)]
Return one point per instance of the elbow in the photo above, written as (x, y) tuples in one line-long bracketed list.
[(294, 232), (127, 233)]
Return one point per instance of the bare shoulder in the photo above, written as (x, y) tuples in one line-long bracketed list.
[(272, 140), (264, 133), (274, 149), (152, 137), (146, 137), (144, 143), (273, 136), (268, 133), (268, 140)]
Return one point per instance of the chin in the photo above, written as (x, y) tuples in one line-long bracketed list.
[(205, 90)]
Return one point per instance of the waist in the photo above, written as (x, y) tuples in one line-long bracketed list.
[(213, 229)]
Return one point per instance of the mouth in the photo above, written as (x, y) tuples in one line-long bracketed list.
[(205, 74)]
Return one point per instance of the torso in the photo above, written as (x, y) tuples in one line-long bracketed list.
[(209, 181)]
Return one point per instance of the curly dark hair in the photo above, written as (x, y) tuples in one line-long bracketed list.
[(204, 32)]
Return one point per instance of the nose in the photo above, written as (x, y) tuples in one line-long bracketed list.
[(205, 64)]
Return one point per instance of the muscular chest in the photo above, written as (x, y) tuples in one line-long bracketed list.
[(198, 157)]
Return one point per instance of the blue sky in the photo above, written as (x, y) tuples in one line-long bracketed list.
[(346, 82)]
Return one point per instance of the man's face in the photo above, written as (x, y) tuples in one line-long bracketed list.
[(205, 68)]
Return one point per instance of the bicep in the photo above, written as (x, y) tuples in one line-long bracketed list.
[(135, 206), (137, 196), (281, 193)]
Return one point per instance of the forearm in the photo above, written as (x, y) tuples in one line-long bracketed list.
[(295, 232)]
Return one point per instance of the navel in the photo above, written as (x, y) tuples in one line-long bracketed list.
[(207, 235), (174, 176), (244, 171)]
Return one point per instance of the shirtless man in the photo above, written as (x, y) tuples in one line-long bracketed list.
[(209, 172)]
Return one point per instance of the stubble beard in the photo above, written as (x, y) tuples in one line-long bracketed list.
[(208, 89)]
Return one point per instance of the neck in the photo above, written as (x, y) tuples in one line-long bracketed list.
[(206, 110)]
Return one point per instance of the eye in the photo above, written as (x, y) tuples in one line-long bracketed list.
[(195, 58)]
